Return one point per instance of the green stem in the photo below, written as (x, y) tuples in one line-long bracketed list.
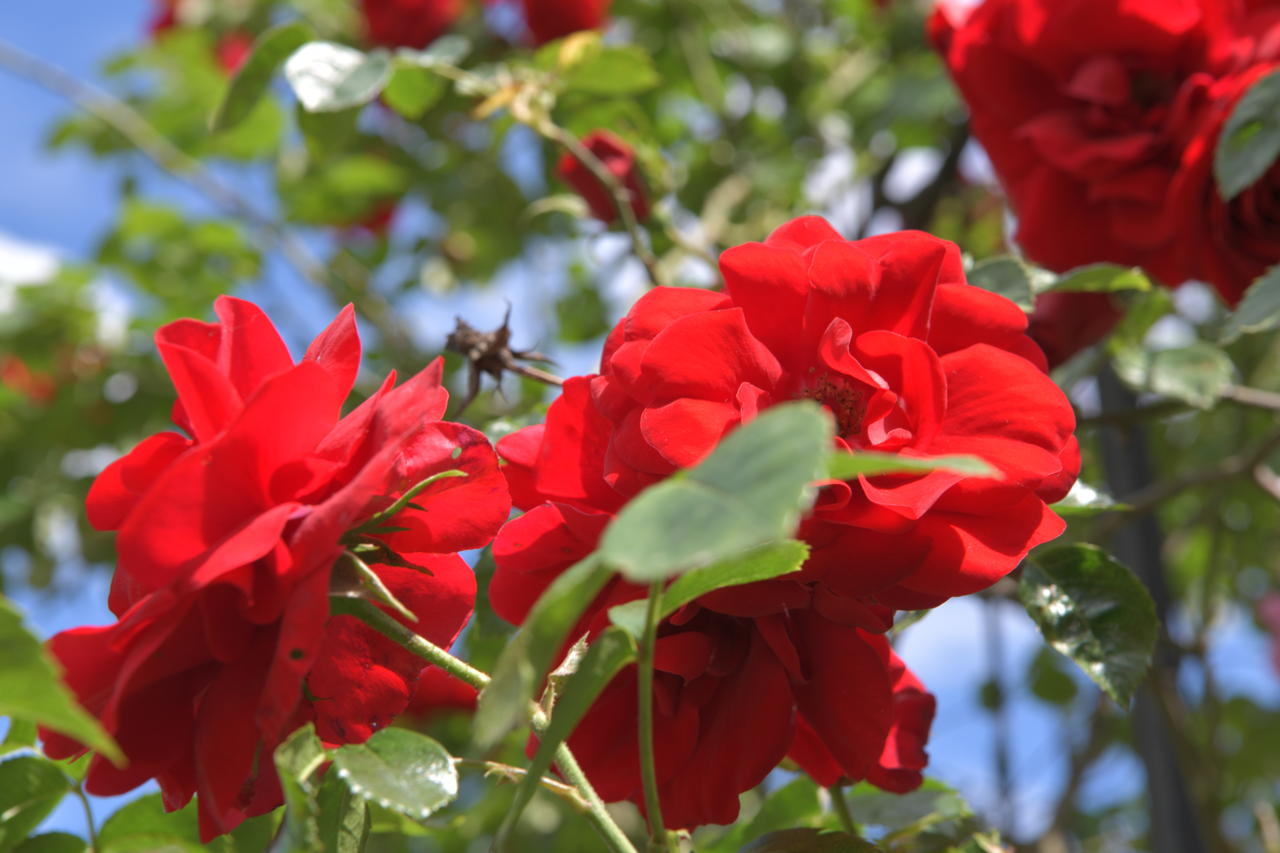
[(380, 621), (841, 807), (644, 688)]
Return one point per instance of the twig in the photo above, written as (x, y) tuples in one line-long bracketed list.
[(515, 774), (621, 195), (139, 133), (840, 806)]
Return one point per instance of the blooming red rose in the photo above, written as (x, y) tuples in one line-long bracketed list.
[(1101, 119), (909, 359), (408, 23), (438, 692), (549, 20), (620, 160), (1064, 323), (227, 541)]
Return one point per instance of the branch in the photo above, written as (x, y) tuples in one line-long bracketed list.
[(152, 144)]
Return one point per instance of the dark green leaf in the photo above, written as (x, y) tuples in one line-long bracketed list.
[(1099, 278), (329, 77), (1250, 138), (52, 842), (504, 704), (251, 81), (327, 134), (1258, 311), (30, 688), (808, 840), (765, 562), (604, 658), (846, 466), (1009, 277), (1195, 374), (144, 825), (1048, 680), (793, 805), (623, 70), (30, 788), (1093, 610), (400, 770), (411, 91), (751, 490), (344, 817)]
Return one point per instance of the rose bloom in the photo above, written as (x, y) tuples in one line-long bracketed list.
[(231, 50), (408, 23), (1064, 323), (227, 538), (909, 359), (549, 20), (620, 160), (1101, 120)]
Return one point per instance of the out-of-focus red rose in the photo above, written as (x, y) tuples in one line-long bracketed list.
[(549, 20), (617, 157), (1101, 119), (909, 359), (232, 51), (408, 23), (1065, 323), (163, 17), (37, 386), (228, 537)]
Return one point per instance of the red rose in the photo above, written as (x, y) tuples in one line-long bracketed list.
[(226, 540), (232, 51), (1100, 119), (408, 23), (1065, 323), (909, 359), (438, 692), (35, 385), (620, 160), (549, 20)]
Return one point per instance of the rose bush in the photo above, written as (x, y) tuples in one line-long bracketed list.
[(227, 541), (1101, 120), (408, 23), (910, 360), (549, 20)]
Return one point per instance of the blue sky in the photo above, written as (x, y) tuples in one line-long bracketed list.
[(64, 202)]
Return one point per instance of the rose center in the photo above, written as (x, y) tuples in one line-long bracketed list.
[(844, 398)]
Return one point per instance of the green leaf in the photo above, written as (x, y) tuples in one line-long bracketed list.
[(1195, 374), (300, 756), (1008, 277), (604, 658), (1084, 501), (932, 800), (447, 50), (1095, 611), (765, 562), (30, 788), (30, 688), (412, 91), (809, 840), (1098, 278), (624, 70), (1250, 138), (21, 734), (327, 134), (1048, 681), (53, 842), (251, 81), (144, 825), (846, 466), (1259, 309), (793, 805), (751, 490), (504, 704), (329, 77), (401, 770), (344, 817)]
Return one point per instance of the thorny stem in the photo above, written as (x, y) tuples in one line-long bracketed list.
[(377, 619), (512, 773), (152, 144), (658, 837)]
